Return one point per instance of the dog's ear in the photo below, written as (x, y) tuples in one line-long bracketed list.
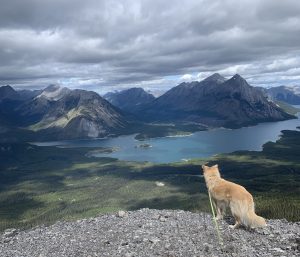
[(216, 166)]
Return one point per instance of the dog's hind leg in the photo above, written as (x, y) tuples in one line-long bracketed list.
[(236, 211), (237, 222)]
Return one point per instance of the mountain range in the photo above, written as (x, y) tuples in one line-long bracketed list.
[(287, 94), (61, 113), (129, 100), (215, 102)]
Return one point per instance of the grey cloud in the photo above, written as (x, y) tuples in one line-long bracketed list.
[(115, 43)]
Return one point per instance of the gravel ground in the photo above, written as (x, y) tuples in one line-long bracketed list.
[(151, 233)]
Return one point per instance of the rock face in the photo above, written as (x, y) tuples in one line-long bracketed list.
[(183, 102), (151, 233), (80, 114), (129, 100), (32, 111), (215, 102), (237, 103)]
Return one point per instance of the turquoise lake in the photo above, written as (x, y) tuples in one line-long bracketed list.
[(199, 144)]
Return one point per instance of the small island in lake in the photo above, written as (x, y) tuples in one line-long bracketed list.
[(102, 150), (145, 146)]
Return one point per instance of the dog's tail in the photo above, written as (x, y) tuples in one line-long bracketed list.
[(244, 211), (250, 219)]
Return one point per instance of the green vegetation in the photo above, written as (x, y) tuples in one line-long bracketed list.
[(101, 150), (60, 122), (40, 185), (288, 108), (164, 130)]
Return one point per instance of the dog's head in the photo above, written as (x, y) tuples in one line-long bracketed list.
[(212, 171)]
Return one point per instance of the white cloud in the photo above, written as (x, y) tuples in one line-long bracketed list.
[(187, 77)]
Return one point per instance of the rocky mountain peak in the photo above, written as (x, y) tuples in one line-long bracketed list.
[(7, 92), (54, 92), (238, 79), (237, 82), (52, 88), (216, 77), (7, 88), (237, 76)]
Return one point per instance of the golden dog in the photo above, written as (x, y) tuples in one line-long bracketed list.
[(237, 198)]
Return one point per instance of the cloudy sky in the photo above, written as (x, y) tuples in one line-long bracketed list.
[(108, 44)]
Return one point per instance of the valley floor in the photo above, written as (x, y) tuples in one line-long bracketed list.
[(40, 185)]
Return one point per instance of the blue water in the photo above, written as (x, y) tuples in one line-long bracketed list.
[(200, 144)]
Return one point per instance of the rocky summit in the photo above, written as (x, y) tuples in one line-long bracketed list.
[(151, 233)]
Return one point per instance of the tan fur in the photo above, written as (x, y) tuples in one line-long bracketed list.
[(227, 194)]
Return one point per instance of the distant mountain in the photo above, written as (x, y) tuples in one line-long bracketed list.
[(3, 123), (214, 102), (8, 93), (129, 100), (290, 95), (80, 114), (33, 110), (59, 113), (10, 99), (183, 99), (26, 94)]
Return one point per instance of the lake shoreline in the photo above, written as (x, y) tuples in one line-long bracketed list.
[(183, 146)]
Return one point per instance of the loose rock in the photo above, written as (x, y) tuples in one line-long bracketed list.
[(146, 233), (122, 214), (10, 232)]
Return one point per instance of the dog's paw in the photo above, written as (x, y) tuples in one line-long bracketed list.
[(232, 226)]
